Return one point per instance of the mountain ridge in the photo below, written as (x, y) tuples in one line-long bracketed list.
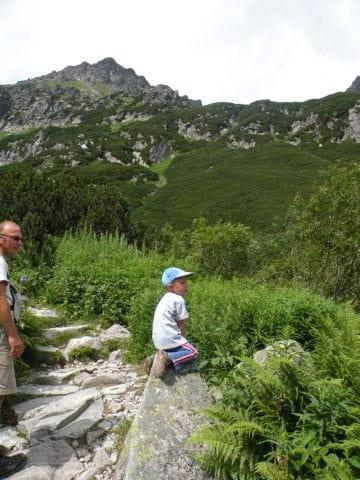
[(102, 123)]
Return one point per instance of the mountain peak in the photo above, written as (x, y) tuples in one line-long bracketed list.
[(355, 86)]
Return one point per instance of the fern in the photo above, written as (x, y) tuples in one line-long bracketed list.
[(270, 471)]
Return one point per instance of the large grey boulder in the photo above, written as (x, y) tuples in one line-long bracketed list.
[(156, 447), (75, 343), (116, 331), (284, 348)]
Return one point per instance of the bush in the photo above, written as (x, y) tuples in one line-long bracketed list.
[(323, 236), (223, 248), (82, 354)]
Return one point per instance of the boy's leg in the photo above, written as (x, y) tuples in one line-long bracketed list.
[(160, 362), (148, 364), (182, 356)]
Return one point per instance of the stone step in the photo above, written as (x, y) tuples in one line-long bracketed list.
[(55, 332), (50, 355), (68, 416), (41, 390)]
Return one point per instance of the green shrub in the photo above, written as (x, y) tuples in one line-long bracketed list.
[(84, 353), (223, 248), (97, 277)]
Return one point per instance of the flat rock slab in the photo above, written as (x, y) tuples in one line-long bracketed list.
[(34, 473), (156, 447), (59, 377), (55, 416), (53, 460), (22, 408), (38, 390), (55, 332), (83, 423)]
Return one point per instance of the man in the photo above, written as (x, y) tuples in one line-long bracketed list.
[(11, 345)]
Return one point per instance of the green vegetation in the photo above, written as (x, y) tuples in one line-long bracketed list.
[(292, 416), (83, 354), (286, 418), (218, 183)]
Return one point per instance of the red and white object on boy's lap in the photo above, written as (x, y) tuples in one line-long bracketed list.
[(169, 326)]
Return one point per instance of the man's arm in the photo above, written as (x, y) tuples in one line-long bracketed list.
[(8, 324)]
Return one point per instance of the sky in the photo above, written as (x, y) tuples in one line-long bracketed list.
[(214, 50)]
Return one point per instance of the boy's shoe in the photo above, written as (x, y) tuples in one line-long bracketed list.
[(159, 364), (10, 465), (148, 362)]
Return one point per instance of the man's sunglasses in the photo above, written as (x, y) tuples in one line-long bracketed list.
[(16, 238)]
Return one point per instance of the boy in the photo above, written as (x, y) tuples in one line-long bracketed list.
[(169, 326)]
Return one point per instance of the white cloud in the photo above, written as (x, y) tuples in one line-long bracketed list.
[(216, 50)]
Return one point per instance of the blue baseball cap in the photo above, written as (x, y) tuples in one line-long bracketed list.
[(172, 273)]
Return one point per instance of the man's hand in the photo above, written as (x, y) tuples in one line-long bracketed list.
[(16, 346)]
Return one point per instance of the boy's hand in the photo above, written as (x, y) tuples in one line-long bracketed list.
[(181, 325)]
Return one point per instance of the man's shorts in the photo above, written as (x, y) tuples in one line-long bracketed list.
[(7, 371)]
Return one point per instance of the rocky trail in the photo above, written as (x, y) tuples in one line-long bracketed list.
[(76, 413)]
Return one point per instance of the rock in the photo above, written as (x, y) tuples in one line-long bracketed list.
[(352, 132), (34, 473), (79, 379), (57, 455), (68, 410), (22, 408), (93, 435), (102, 379), (116, 390), (89, 474), (50, 355), (9, 438), (164, 428), (90, 342), (284, 348), (114, 356), (159, 151), (83, 423), (114, 332), (55, 332), (39, 390), (60, 376), (101, 459), (114, 406), (355, 86)]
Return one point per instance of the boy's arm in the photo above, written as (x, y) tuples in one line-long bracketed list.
[(181, 325)]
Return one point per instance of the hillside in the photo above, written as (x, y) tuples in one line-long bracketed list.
[(172, 158)]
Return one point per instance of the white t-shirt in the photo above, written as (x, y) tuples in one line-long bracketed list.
[(12, 300), (166, 333)]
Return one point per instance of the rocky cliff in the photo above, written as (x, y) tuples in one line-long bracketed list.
[(60, 98)]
